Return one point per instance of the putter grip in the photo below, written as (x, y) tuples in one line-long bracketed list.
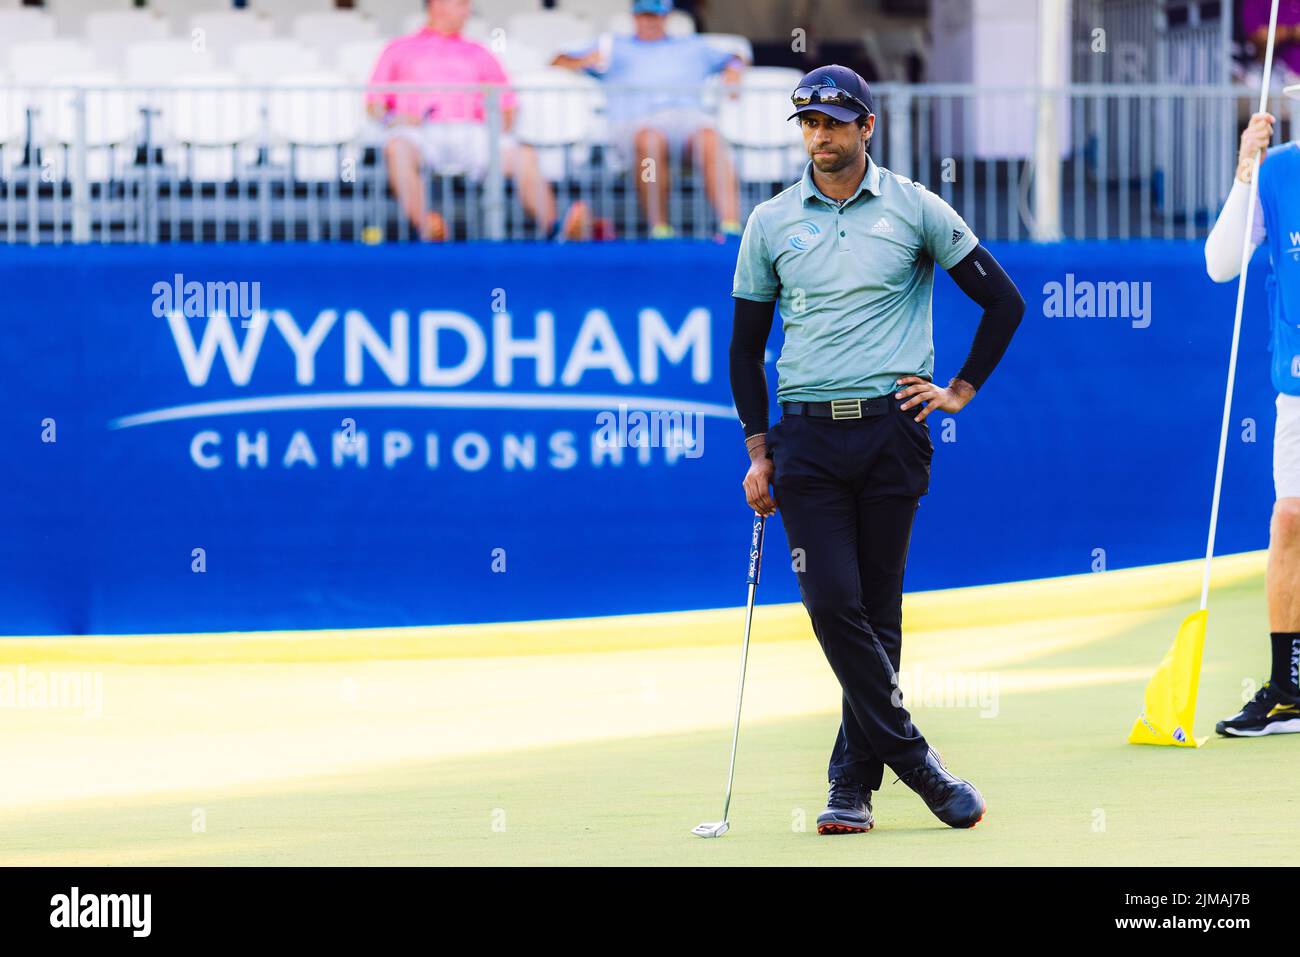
[(755, 550)]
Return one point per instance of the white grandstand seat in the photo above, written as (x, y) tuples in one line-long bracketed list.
[(497, 12), (768, 146), (476, 29), (210, 117), (111, 115), (679, 24), (388, 15), (20, 26), (222, 31), (732, 43), (108, 32), (284, 12), (319, 122), (179, 12), (211, 109), (260, 61), (325, 32), (416, 21), (555, 107), (557, 111), (549, 31), (519, 58), (70, 15), (157, 61), (109, 118), (13, 126), (312, 109), (356, 60), (11, 112), (597, 11), (35, 61)]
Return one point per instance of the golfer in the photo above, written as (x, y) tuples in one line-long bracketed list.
[(849, 253), (1275, 709)]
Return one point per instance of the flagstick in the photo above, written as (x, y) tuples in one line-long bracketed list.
[(1236, 327)]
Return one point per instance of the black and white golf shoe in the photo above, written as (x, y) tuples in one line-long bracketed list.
[(953, 801), (848, 809), (1271, 711)]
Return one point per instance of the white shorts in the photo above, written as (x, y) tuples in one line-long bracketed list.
[(1286, 447), (677, 124), (454, 149)]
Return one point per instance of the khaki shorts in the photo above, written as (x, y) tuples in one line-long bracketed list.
[(677, 126), (454, 149), (1286, 447)]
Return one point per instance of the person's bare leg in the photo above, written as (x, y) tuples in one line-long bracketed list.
[(1275, 708), (1284, 567), (403, 159), (708, 149), (535, 193), (651, 174)]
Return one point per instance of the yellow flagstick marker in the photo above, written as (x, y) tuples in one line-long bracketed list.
[(1169, 705)]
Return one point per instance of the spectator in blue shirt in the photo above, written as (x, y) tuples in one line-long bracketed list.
[(660, 112)]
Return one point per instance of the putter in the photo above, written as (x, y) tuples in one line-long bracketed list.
[(719, 828)]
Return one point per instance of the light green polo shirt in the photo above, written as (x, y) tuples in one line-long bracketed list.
[(854, 283)]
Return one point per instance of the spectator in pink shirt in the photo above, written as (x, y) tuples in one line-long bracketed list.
[(446, 129)]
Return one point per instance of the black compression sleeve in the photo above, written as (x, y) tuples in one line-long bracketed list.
[(749, 332), (981, 278)]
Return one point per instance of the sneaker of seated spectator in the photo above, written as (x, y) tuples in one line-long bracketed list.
[(656, 110), (446, 130)]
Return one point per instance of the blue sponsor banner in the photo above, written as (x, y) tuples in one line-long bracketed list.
[(217, 438)]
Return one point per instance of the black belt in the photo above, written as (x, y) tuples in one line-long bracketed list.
[(842, 408)]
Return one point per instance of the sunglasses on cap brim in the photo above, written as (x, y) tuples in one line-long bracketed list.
[(830, 95)]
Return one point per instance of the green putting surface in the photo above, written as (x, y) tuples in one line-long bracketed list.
[(1062, 787)]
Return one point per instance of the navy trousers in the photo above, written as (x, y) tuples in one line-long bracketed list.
[(848, 491)]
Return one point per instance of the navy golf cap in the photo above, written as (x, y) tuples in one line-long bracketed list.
[(836, 77)]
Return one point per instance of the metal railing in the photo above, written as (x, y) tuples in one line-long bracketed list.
[(1149, 161), (223, 163)]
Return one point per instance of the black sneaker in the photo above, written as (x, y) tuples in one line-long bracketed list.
[(953, 801), (848, 809), (1271, 711)]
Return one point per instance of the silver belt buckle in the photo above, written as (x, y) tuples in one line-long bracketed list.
[(846, 408)]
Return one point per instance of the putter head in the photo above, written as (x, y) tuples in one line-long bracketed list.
[(716, 829)]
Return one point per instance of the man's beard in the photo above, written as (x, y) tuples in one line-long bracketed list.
[(841, 161)]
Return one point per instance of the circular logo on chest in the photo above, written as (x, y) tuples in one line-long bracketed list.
[(804, 235)]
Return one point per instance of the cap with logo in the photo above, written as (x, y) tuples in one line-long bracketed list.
[(834, 90), (660, 8)]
